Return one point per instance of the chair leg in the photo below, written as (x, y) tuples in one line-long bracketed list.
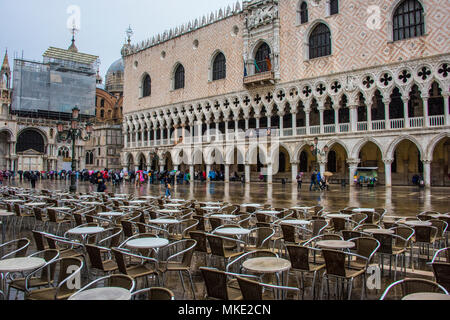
[(182, 280), (192, 284), (395, 272), (350, 287)]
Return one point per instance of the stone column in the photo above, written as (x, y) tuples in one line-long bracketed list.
[(321, 111), (323, 166), (208, 169), (353, 118), (446, 111), (257, 123), (125, 141), (208, 128), (191, 173), (294, 124), (227, 173), (406, 111), (154, 136), (386, 113), (269, 173), (388, 169), (336, 119), (369, 117), (294, 165), (175, 167), (353, 167), (269, 121), (246, 124), (247, 173), (426, 120), (226, 131), (281, 125), (427, 173), (308, 131)]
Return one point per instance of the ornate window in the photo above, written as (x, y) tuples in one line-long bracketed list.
[(408, 21), (102, 103), (146, 86), (179, 77), (262, 59), (63, 152), (334, 7), (89, 158), (320, 42), (303, 12), (219, 67)]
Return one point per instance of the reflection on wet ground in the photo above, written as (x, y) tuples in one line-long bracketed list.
[(403, 201)]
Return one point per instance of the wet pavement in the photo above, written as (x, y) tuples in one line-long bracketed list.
[(402, 201)]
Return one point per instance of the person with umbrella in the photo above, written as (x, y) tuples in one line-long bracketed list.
[(327, 176)]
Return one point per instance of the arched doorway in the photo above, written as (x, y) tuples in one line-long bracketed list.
[(5, 138), (282, 164), (337, 161), (371, 157), (407, 163), (30, 149), (142, 162), (238, 164), (440, 171), (130, 163)]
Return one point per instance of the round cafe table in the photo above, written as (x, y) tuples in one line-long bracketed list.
[(177, 200), (224, 216), (61, 208), (84, 232), (111, 214), (211, 208), (361, 210), (296, 222), (379, 231), (335, 244), (233, 231), (426, 296), (137, 202), (169, 211), (103, 294), (266, 265), (129, 207), (417, 223), (173, 205), (15, 201), (147, 243), (343, 216), (164, 221), (251, 205), (269, 212), (35, 204), (19, 265), (91, 203)]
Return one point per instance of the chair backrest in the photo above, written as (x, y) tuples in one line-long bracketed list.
[(216, 283), (299, 257), (317, 209), (121, 281), (128, 228), (251, 290), (216, 245), (338, 224), (359, 218), (66, 270), (200, 237), (334, 262), (39, 240), (95, 257), (189, 246), (348, 234), (201, 223), (51, 213), (404, 232), (440, 225), (318, 226), (160, 294), (49, 255), (188, 225), (215, 223), (78, 219), (38, 214), (411, 286), (442, 274), (120, 260), (17, 210), (386, 242), (262, 237), (425, 234), (288, 233), (366, 246)]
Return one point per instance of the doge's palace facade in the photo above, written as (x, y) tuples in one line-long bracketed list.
[(369, 79)]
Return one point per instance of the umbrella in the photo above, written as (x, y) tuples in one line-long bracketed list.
[(328, 174)]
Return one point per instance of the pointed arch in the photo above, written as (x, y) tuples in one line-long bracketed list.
[(393, 146)]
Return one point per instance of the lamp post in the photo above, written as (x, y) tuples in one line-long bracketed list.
[(71, 136)]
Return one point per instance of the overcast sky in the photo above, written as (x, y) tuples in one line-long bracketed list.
[(32, 26)]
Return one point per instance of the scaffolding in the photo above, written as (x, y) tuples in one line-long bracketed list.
[(52, 88)]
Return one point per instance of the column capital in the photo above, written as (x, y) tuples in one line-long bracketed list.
[(296, 162), (353, 162), (353, 107), (388, 161), (427, 161)]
